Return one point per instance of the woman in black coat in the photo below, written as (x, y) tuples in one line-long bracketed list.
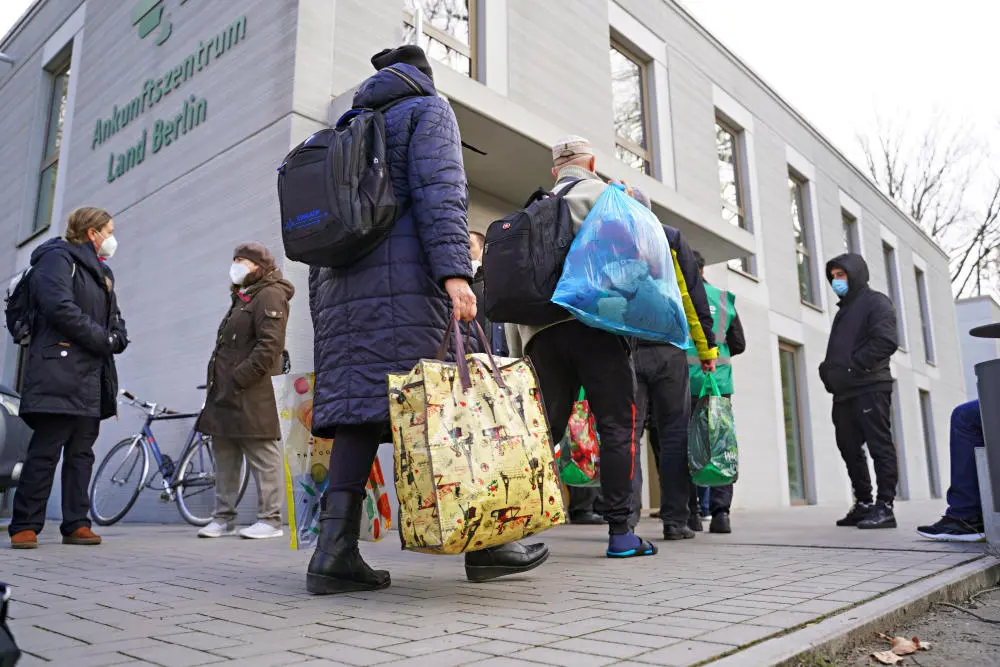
[(70, 381)]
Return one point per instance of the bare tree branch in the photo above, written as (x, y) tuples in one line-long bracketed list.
[(938, 176)]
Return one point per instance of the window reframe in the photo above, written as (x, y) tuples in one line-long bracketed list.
[(926, 322), (625, 143), (799, 185), (794, 352), (448, 40), (58, 68)]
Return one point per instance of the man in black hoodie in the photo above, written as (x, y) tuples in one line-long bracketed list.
[(856, 371)]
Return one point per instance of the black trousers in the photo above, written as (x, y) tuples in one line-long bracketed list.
[(663, 388), (74, 438), (354, 450), (582, 499), (570, 355), (867, 419)]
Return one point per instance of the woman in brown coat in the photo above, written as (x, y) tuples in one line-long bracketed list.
[(240, 411)]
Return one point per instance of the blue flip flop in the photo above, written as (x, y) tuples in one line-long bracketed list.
[(645, 548)]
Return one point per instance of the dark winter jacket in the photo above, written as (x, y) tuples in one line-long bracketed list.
[(240, 401), (690, 282), (495, 336), (862, 338), (389, 310), (76, 331)]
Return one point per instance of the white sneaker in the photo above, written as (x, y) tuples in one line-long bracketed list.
[(261, 531), (217, 529)]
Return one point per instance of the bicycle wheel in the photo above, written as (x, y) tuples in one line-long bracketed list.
[(118, 481), (195, 483)]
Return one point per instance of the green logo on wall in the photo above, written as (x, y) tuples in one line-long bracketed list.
[(193, 111), (148, 16)]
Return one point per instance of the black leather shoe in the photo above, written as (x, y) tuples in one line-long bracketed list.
[(857, 513), (587, 519), (337, 566), (511, 558), (880, 516), (720, 523), (694, 523), (677, 532)]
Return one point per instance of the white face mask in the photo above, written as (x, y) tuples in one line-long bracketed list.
[(238, 272), (475, 265), (108, 247)]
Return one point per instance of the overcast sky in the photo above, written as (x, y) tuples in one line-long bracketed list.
[(840, 62)]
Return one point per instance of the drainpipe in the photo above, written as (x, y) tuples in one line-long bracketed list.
[(4, 58)]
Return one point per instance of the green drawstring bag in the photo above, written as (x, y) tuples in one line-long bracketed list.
[(712, 455), (578, 455)]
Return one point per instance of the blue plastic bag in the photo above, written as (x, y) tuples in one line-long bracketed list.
[(619, 273)]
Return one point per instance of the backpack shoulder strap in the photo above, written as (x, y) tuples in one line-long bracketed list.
[(542, 193), (386, 107), (572, 184)]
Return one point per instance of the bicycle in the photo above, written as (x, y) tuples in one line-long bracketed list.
[(191, 482)]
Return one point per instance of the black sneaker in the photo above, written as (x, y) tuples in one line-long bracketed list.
[(720, 523), (950, 529), (694, 523), (857, 513), (677, 532), (880, 516)]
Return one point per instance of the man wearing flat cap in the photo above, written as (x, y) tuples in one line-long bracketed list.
[(567, 354)]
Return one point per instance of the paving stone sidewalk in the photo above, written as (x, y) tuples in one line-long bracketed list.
[(155, 595)]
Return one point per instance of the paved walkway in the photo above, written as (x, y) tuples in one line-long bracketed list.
[(155, 595)]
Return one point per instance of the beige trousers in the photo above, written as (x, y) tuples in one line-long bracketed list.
[(264, 457)]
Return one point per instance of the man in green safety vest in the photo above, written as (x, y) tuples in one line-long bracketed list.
[(730, 339)]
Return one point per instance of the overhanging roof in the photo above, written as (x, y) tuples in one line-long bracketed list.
[(518, 159)]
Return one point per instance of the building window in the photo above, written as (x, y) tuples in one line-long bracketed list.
[(925, 316), (53, 139), (732, 183), (798, 190), (446, 31), (892, 283), (628, 88), (852, 242), (791, 403), (927, 421)]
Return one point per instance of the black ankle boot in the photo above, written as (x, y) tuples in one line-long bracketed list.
[(511, 558), (336, 565)]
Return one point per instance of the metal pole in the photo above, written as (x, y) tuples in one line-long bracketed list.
[(418, 28)]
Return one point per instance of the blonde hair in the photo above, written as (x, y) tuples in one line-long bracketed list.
[(84, 219)]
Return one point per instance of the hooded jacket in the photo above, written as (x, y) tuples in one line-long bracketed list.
[(863, 336), (240, 401), (388, 310), (76, 331)]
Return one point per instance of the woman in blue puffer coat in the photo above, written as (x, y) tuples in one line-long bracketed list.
[(389, 310)]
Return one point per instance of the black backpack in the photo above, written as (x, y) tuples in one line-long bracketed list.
[(523, 260), (18, 310), (335, 191)]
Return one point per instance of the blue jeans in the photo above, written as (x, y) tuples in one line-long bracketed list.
[(966, 435)]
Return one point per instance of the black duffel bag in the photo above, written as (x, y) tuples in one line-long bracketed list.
[(9, 652)]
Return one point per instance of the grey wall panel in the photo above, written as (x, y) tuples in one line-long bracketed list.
[(560, 63)]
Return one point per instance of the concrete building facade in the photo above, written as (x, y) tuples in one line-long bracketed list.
[(173, 115), (975, 312)]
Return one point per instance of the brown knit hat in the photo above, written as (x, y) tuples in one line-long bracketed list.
[(256, 253)]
